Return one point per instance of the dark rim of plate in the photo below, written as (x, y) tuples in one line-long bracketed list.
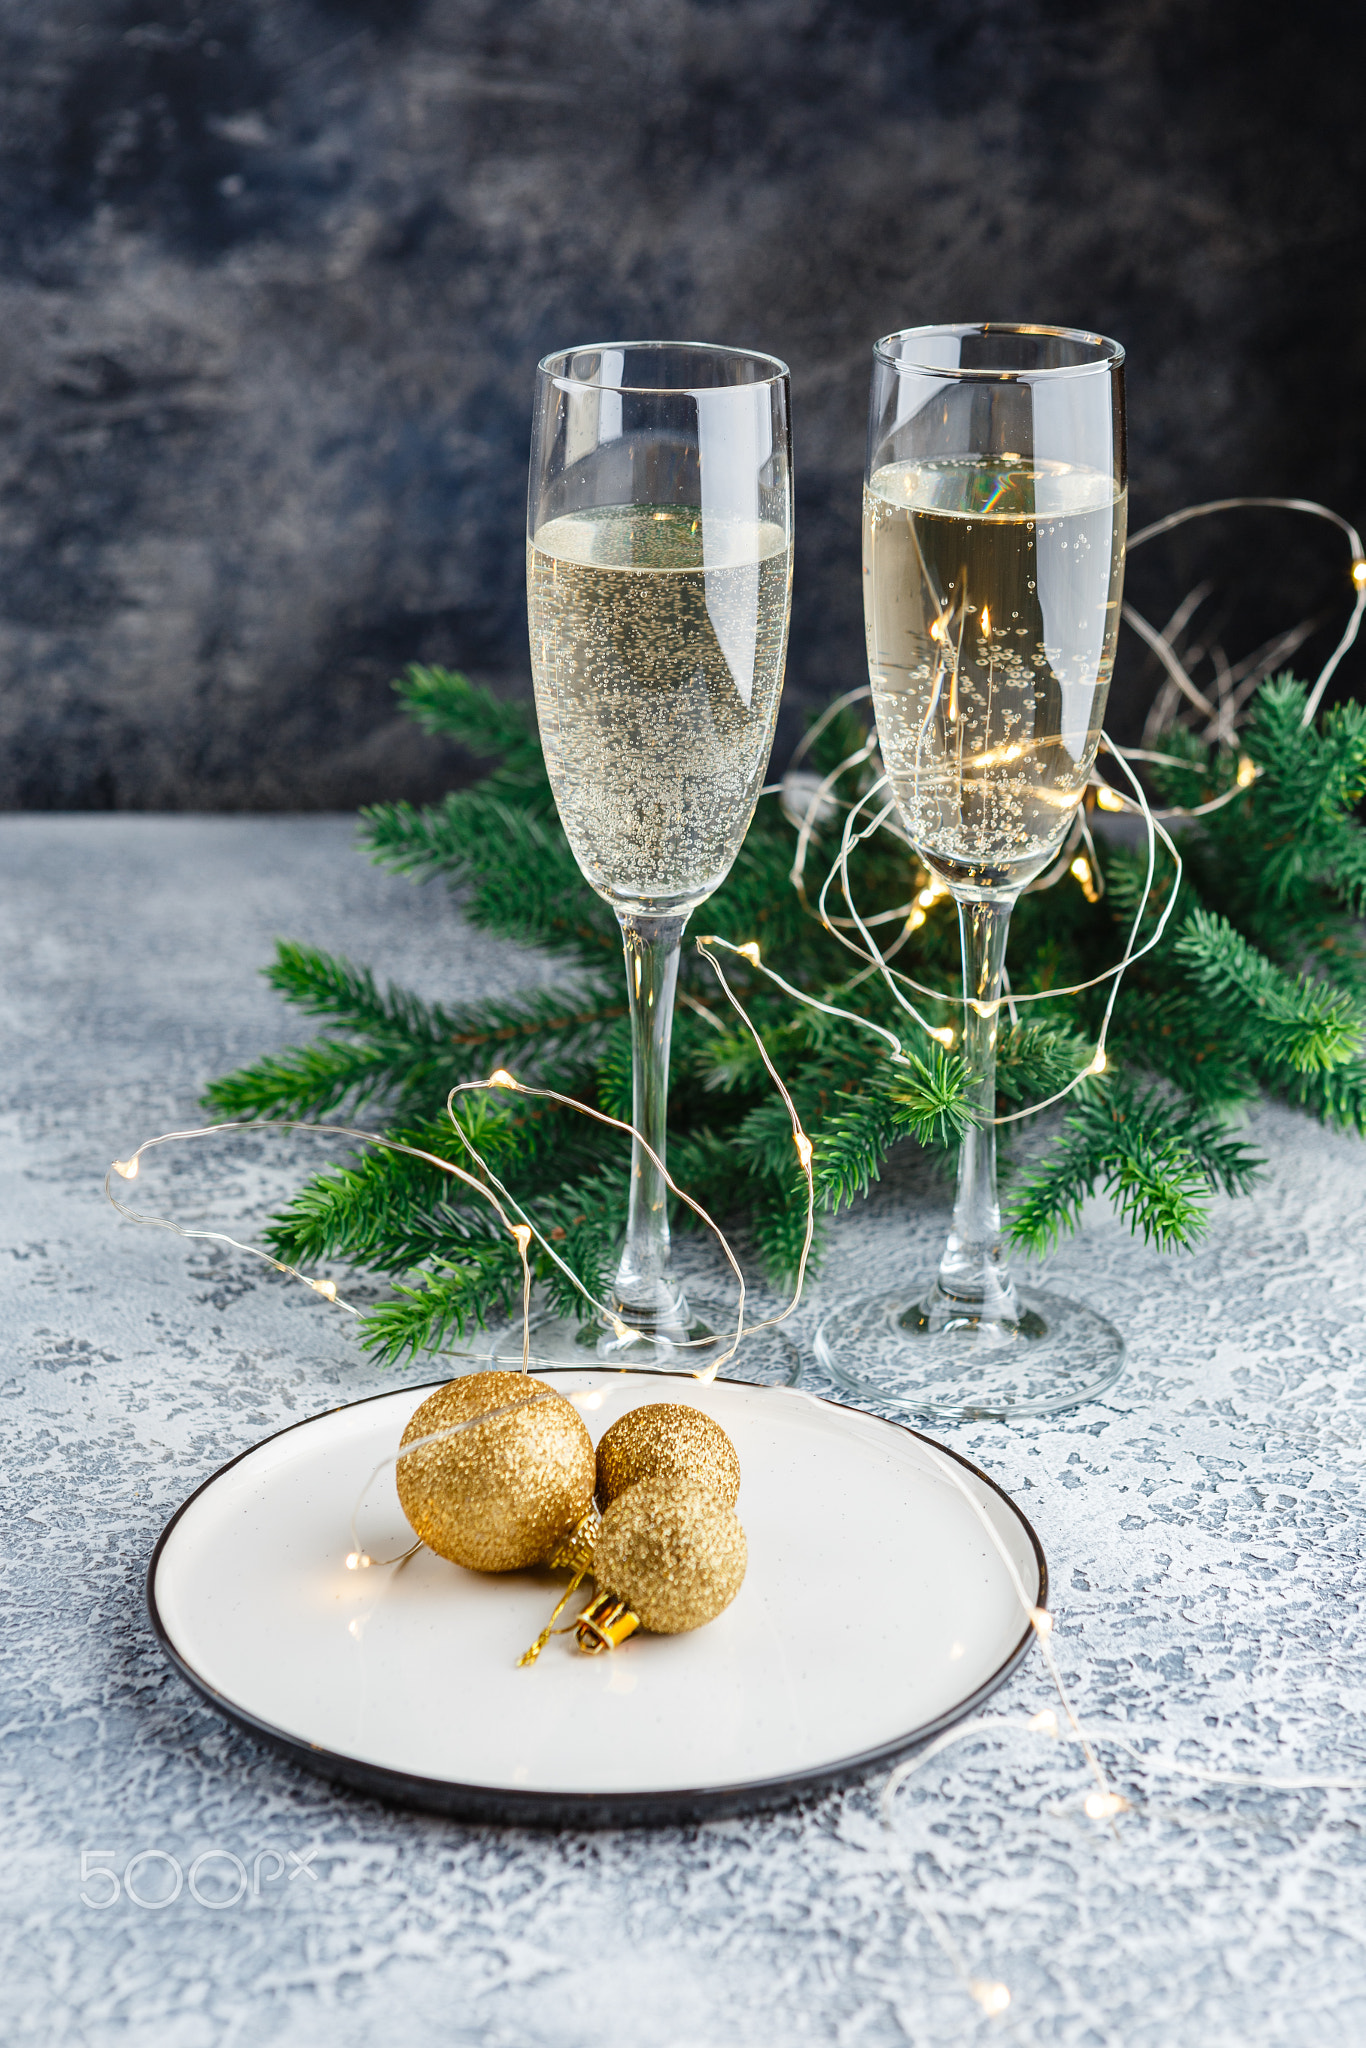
[(514, 1806)]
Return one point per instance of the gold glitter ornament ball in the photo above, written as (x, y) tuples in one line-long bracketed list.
[(675, 1555), (668, 1442), (504, 1493)]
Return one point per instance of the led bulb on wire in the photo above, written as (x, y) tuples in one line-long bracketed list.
[(1081, 868), (990, 1994), (1104, 1805)]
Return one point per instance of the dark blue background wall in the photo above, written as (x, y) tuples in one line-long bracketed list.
[(274, 275)]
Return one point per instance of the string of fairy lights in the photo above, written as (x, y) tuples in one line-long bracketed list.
[(817, 803), (811, 802)]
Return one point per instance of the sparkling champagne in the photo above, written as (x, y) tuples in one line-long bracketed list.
[(657, 645), (992, 591)]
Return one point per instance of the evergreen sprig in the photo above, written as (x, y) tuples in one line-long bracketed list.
[(1258, 984), (1304, 1024), (919, 1099), (1158, 1173), (389, 1045)]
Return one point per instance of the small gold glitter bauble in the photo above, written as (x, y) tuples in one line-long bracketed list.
[(506, 1492), (669, 1442), (675, 1555)]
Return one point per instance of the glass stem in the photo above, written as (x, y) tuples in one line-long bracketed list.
[(973, 1275), (642, 1290)]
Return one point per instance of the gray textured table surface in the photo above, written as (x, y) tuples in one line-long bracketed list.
[(1204, 1526)]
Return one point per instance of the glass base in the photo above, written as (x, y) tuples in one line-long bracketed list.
[(767, 1358), (924, 1354)]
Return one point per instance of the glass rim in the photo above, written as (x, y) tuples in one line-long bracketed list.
[(1110, 357), (552, 366)]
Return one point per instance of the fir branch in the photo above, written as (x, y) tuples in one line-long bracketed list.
[(851, 1147), (1307, 1025), (403, 1049), (1157, 1188), (519, 877), (921, 1099), (1156, 1164), (1313, 779), (1230, 1166), (732, 1061), (462, 1298), (305, 1081), (1172, 1029), (1345, 869), (394, 1211), (1034, 1061), (474, 1269), (1337, 1097), (765, 1141), (324, 985), (584, 1222), (779, 1226), (843, 735), (1191, 773), (448, 704), (929, 1096)]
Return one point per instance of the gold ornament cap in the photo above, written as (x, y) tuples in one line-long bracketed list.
[(511, 1485), (667, 1441), (604, 1624), (675, 1557)]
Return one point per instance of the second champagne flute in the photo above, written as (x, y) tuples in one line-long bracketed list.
[(659, 576), (994, 526)]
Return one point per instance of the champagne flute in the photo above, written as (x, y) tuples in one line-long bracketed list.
[(993, 549), (659, 577)]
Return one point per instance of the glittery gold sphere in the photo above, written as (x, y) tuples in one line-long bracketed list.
[(675, 1555), (503, 1493), (669, 1442)]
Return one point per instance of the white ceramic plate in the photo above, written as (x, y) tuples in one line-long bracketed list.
[(876, 1609)]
